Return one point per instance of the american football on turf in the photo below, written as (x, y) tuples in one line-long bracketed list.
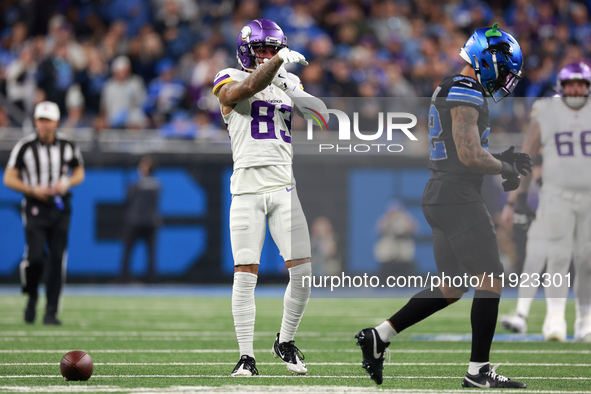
[(76, 365)]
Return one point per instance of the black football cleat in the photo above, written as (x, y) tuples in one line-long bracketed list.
[(31, 310), (51, 320), (29, 315), (488, 378), (373, 349), (247, 366), (291, 356)]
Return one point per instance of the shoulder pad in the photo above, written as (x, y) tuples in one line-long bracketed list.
[(227, 75), (465, 90)]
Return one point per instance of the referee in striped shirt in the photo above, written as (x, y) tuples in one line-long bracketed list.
[(44, 166)]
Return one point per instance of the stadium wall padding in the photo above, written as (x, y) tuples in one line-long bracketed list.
[(193, 243)]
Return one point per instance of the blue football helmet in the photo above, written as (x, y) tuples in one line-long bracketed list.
[(497, 60)]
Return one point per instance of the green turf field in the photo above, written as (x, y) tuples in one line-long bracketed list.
[(182, 345)]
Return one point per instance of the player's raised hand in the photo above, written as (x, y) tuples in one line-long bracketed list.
[(289, 56)]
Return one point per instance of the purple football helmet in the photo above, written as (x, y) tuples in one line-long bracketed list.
[(574, 72), (259, 32)]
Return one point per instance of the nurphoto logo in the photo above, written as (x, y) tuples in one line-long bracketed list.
[(394, 122)]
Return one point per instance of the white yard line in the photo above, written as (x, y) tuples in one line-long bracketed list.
[(406, 351), (245, 388), (292, 377), (314, 363)]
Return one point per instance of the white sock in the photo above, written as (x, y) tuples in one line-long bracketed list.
[(386, 331), (556, 306), (295, 301), (524, 304), (474, 368), (244, 310)]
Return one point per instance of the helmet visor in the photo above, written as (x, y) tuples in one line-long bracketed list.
[(504, 86)]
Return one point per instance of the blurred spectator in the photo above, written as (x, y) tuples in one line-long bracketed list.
[(180, 127), (206, 130), (145, 51), (93, 80), (21, 82), (134, 13), (355, 48), (75, 117), (395, 248), (123, 96), (114, 43), (142, 218), (165, 93), (174, 28), (325, 255), (55, 76)]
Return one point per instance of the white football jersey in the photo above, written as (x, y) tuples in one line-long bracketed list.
[(566, 141), (260, 134)]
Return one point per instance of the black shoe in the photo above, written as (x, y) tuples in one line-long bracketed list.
[(29, 315), (488, 378), (291, 356), (373, 349), (51, 320), (31, 310), (247, 366)]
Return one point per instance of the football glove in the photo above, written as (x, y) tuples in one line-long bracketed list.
[(523, 215), (289, 56), (522, 161), (511, 183), (511, 176)]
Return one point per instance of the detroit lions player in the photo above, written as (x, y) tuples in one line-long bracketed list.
[(256, 103), (464, 239), (561, 127)]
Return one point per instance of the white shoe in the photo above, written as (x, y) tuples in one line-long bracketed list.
[(246, 367), (583, 330), (291, 356), (514, 323), (554, 328)]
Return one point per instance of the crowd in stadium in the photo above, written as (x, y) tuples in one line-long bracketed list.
[(136, 64)]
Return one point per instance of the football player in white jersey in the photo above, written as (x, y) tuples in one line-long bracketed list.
[(562, 128), (256, 103)]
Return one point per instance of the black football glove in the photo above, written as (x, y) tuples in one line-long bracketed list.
[(523, 215), (509, 170), (522, 161), (511, 183), (511, 176), (506, 156)]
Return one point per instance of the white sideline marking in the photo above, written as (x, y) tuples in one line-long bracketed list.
[(245, 388), (407, 351), (147, 333), (312, 363), (292, 377)]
